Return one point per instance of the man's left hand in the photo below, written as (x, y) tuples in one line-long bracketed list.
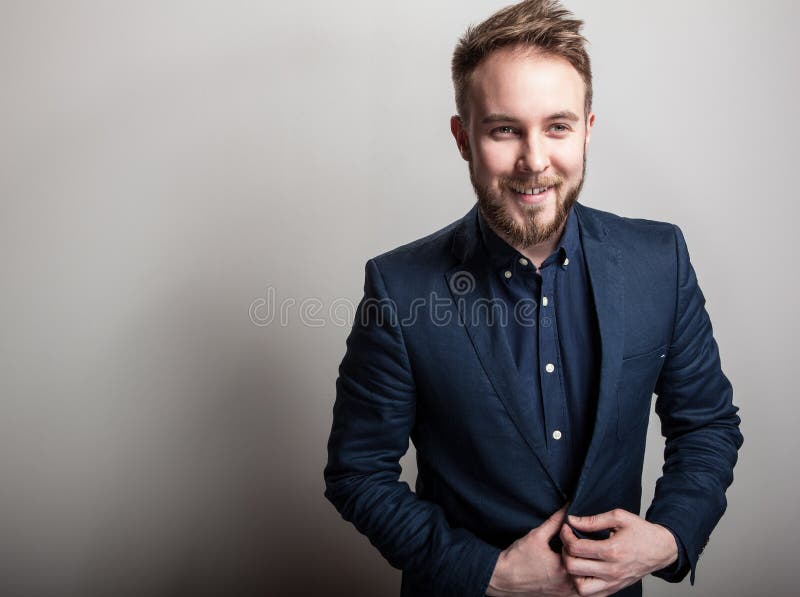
[(634, 549)]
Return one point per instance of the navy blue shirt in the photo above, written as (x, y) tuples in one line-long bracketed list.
[(552, 332)]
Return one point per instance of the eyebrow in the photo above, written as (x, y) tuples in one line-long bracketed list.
[(498, 118), (563, 115)]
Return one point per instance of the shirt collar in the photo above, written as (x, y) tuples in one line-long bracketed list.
[(503, 255)]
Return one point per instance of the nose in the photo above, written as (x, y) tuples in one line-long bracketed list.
[(533, 156)]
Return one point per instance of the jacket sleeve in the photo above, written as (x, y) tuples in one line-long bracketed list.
[(699, 422), (373, 416)]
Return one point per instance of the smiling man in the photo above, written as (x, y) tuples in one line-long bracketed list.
[(526, 385)]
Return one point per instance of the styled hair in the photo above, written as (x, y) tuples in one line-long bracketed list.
[(543, 25)]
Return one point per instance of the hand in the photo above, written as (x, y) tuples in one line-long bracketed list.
[(529, 568), (635, 549)]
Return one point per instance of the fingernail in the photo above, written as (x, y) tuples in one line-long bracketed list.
[(573, 518)]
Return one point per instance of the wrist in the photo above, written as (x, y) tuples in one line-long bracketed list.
[(670, 553)]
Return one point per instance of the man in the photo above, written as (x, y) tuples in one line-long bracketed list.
[(519, 348)]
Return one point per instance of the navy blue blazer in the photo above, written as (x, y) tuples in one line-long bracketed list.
[(425, 361)]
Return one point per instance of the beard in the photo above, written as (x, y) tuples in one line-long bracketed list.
[(534, 229)]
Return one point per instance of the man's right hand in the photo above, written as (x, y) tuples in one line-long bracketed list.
[(529, 568)]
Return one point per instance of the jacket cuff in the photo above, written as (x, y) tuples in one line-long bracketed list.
[(687, 532), (489, 556)]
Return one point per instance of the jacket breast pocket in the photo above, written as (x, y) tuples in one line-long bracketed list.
[(637, 380)]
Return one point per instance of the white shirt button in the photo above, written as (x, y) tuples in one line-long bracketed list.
[(566, 260), (556, 434), (544, 301), (507, 274), (549, 367), (523, 261)]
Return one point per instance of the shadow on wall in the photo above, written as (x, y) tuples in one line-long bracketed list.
[(214, 482), (172, 448)]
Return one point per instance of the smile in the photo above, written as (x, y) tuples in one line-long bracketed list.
[(530, 191)]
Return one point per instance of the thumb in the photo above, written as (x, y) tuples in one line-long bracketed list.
[(551, 527)]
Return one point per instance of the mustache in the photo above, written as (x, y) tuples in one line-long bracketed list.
[(539, 181)]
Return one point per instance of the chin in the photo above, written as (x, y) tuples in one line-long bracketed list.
[(542, 215)]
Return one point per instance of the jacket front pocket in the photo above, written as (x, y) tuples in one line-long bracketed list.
[(637, 381)]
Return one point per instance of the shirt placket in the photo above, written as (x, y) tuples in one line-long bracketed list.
[(550, 367)]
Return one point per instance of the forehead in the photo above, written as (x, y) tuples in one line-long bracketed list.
[(525, 83)]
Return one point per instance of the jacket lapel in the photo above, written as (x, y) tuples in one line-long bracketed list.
[(469, 285), (604, 264)]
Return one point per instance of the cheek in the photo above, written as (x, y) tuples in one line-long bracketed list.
[(494, 159), (569, 160)]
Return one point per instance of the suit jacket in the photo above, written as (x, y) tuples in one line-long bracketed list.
[(425, 361)]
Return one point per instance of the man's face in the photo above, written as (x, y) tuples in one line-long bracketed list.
[(525, 141)]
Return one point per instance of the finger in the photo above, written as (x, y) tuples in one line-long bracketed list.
[(598, 522), (566, 535), (550, 527), (578, 567), (581, 548), (585, 548)]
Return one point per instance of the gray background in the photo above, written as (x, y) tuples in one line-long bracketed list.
[(163, 165)]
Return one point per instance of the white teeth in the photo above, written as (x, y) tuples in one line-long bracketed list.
[(534, 191)]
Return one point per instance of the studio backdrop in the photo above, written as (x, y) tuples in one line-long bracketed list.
[(189, 192)]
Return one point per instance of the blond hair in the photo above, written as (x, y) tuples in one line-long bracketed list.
[(543, 25)]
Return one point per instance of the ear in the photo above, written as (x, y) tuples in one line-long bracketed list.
[(589, 125), (460, 135)]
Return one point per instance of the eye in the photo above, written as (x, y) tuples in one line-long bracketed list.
[(504, 130), (560, 128)]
